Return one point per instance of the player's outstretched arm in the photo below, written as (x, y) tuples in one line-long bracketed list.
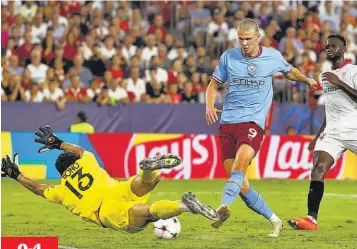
[(72, 148), (10, 169), (295, 75), (46, 136), (333, 79), (32, 185), (211, 94)]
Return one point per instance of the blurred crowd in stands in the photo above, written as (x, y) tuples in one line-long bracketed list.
[(156, 52)]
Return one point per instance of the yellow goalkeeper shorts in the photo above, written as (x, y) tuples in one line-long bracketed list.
[(114, 213)]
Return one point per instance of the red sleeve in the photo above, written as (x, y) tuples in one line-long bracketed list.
[(83, 91), (151, 30)]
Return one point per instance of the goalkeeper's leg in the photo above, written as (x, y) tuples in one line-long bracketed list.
[(148, 177), (141, 214)]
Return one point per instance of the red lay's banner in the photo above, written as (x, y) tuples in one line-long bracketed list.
[(280, 157), (287, 157)]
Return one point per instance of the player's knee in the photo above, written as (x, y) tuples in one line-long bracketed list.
[(241, 164), (319, 171)]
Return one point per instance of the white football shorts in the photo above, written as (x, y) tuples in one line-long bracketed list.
[(335, 147)]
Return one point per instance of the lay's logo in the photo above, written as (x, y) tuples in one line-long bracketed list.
[(198, 152)]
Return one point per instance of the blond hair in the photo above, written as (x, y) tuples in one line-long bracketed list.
[(247, 25)]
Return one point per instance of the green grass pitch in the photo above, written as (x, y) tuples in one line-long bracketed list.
[(24, 214)]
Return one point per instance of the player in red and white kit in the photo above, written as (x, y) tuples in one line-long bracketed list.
[(338, 131)]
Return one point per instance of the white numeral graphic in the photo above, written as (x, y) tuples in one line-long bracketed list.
[(252, 133), (37, 246), (22, 246)]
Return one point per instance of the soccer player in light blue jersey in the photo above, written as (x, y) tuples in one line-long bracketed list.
[(248, 70)]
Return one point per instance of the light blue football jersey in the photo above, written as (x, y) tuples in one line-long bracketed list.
[(250, 84)]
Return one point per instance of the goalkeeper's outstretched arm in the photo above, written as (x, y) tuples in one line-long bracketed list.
[(72, 148), (32, 185), (11, 169)]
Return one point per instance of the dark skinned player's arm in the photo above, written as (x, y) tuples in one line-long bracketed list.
[(72, 148), (351, 92), (32, 185), (321, 129)]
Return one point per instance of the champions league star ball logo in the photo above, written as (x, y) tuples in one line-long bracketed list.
[(251, 68)]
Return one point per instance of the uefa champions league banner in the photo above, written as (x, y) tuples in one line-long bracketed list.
[(280, 157)]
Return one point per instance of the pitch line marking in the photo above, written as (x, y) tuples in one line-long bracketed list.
[(264, 192)]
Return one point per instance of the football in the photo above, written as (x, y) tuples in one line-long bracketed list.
[(167, 229)]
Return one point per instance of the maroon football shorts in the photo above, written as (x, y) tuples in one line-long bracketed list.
[(232, 136)]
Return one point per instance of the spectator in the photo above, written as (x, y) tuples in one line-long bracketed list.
[(325, 64), (94, 90), (18, 27), (52, 92), (84, 73), (158, 24), (108, 50), (13, 88), (36, 68), (28, 10), (177, 51), (38, 48), (59, 71), (70, 47), (154, 91), (232, 35), (201, 16), (128, 49), (188, 95), (136, 20), (217, 31), (75, 92), (48, 49), (150, 49), (24, 51), (14, 67), (81, 125), (191, 67), (103, 97), (116, 69), (164, 62), (169, 41), (87, 46), (122, 22), (136, 85), (10, 48), (136, 33), (297, 45), (161, 74), (116, 93), (172, 93), (330, 14), (34, 94), (134, 62), (39, 29), (203, 61), (95, 63), (57, 26), (67, 64)]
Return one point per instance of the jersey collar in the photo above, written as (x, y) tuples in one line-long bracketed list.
[(260, 52), (346, 62)]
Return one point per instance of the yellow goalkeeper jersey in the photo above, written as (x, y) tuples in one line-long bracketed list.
[(84, 186)]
